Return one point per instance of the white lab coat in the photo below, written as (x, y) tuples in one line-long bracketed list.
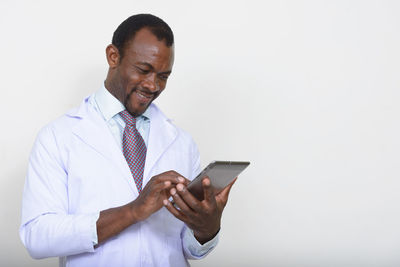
[(76, 169)]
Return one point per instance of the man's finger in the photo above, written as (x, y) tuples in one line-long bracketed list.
[(209, 195), (162, 186), (173, 178), (188, 198), (187, 182), (179, 202), (228, 188), (168, 205), (224, 194)]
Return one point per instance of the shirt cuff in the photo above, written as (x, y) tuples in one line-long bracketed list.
[(93, 226), (196, 249)]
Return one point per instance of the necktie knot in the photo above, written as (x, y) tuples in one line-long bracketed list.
[(128, 118)]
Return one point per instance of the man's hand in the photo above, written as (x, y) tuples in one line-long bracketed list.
[(156, 190), (203, 217), (150, 200)]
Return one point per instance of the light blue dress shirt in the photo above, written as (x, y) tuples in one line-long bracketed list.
[(109, 107)]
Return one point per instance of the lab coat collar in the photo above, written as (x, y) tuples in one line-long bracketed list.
[(93, 130), (162, 134)]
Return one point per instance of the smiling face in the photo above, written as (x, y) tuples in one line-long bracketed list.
[(141, 75)]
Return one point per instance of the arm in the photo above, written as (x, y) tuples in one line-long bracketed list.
[(48, 230), (115, 220)]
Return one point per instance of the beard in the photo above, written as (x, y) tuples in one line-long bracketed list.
[(143, 94)]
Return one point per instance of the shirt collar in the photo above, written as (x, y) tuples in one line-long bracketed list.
[(110, 106)]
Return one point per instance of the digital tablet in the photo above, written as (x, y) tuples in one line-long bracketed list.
[(221, 173)]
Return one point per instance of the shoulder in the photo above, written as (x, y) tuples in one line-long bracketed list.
[(63, 126)]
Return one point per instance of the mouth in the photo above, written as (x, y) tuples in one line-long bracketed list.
[(144, 95), (141, 97)]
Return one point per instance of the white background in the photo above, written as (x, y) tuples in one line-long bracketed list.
[(308, 91)]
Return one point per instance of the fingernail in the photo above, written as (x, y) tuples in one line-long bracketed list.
[(179, 187), (172, 191), (165, 202), (181, 179)]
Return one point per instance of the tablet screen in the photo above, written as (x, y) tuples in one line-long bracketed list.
[(221, 173)]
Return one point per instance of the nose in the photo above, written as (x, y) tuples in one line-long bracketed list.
[(150, 83)]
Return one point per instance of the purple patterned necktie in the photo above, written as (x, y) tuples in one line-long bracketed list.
[(134, 148)]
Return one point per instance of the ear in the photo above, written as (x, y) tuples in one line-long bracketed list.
[(113, 56)]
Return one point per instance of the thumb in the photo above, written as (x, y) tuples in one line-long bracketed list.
[(224, 194)]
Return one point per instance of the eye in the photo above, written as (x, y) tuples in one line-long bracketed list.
[(142, 71), (164, 77)]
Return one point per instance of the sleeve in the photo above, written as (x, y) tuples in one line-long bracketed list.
[(47, 229), (191, 247)]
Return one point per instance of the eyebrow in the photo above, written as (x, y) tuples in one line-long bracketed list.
[(151, 67)]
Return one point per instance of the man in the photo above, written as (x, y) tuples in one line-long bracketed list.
[(100, 177)]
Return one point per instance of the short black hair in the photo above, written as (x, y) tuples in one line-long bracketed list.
[(127, 29)]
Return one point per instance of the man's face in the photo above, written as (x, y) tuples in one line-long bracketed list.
[(142, 74)]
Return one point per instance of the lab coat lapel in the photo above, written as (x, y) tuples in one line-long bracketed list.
[(162, 135), (93, 131)]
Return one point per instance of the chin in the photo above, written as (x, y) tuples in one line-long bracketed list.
[(137, 111)]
